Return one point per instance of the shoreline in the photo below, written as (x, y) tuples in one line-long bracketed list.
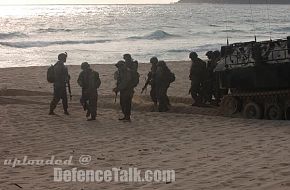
[(96, 64), (34, 78)]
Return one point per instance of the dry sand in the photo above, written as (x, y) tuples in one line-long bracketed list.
[(207, 151)]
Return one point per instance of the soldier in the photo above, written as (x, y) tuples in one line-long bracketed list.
[(60, 79), (130, 63), (151, 81), (90, 81), (217, 92), (197, 72), (132, 66), (126, 88), (163, 79), (207, 86)]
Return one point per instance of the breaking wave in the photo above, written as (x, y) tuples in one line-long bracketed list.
[(283, 29), (11, 35), (208, 47), (52, 30), (29, 44), (201, 48), (157, 35), (214, 25), (234, 31), (178, 50)]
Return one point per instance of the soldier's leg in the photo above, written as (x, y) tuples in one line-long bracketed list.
[(84, 103), (163, 103), (166, 97), (159, 97), (93, 106), (128, 104), (153, 95), (54, 102), (64, 101), (123, 102), (206, 94), (193, 92)]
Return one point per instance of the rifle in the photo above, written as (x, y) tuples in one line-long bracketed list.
[(146, 85), (69, 88)]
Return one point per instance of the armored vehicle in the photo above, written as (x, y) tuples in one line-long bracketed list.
[(257, 77)]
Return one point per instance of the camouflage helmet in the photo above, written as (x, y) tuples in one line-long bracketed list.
[(62, 56), (209, 54), (154, 60), (85, 65), (120, 64), (193, 55)]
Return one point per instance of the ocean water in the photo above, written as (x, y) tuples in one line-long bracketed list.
[(101, 34)]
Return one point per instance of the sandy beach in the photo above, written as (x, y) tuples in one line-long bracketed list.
[(206, 150)]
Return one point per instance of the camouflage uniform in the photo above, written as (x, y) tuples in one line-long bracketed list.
[(90, 81), (197, 75), (162, 85), (59, 87), (124, 86), (152, 81), (217, 92), (208, 82)]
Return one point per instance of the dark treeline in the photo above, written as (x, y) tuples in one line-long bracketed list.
[(237, 1)]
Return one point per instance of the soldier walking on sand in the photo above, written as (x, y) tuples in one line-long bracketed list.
[(197, 72), (152, 82), (60, 79), (90, 81), (126, 88), (164, 77)]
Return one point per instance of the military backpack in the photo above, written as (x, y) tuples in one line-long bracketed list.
[(50, 74)]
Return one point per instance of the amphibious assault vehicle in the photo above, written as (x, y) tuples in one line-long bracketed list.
[(257, 76)]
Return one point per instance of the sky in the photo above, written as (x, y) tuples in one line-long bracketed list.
[(5, 2)]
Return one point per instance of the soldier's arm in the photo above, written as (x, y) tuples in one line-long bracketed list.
[(98, 80), (191, 72), (67, 76), (80, 79)]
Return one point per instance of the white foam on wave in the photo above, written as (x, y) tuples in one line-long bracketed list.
[(156, 35), (30, 44)]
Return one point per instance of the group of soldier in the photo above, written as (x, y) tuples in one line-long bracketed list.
[(204, 83), (159, 78), (88, 80)]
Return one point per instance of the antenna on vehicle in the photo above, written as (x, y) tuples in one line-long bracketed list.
[(254, 28), (268, 12), (227, 23)]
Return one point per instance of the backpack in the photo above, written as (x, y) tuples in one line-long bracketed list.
[(134, 74), (171, 77), (50, 74), (97, 78), (135, 78)]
